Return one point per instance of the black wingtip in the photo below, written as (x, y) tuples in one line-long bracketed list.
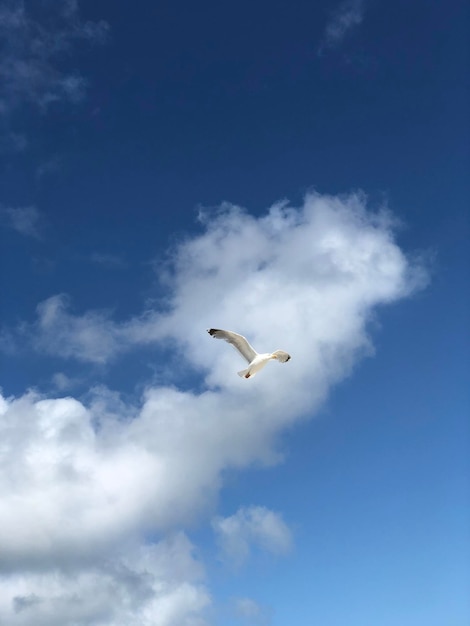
[(212, 331)]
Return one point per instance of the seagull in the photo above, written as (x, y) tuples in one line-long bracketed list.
[(256, 361)]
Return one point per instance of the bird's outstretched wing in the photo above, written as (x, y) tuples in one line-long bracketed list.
[(238, 342)]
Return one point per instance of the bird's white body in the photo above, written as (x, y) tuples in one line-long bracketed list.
[(257, 364), (256, 361)]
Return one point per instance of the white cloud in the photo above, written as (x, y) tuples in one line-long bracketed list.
[(35, 35), (324, 267), (25, 220), (348, 15), (248, 527), (145, 588), (84, 486)]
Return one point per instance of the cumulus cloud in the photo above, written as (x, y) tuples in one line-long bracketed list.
[(348, 15), (76, 492), (25, 220), (254, 526), (88, 489), (323, 266), (35, 34), (159, 586)]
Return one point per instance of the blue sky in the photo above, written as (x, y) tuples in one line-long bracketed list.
[(298, 174)]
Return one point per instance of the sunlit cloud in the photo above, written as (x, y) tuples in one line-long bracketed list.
[(323, 267), (95, 492), (162, 585)]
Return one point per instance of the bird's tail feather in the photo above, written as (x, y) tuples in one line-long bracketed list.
[(242, 373)]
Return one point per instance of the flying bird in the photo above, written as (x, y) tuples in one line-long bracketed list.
[(256, 361)]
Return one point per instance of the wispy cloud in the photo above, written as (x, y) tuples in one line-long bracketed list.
[(112, 484), (91, 337), (348, 15), (250, 612), (62, 382), (108, 261), (249, 527), (25, 220), (36, 35), (48, 166), (12, 142)]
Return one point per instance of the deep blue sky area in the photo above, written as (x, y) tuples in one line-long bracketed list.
[(187, 105)]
